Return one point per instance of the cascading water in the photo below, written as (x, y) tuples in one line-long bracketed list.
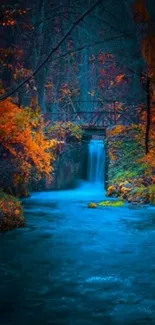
[(96, 163)]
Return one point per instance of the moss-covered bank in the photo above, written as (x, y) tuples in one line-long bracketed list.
[(130, 176), (105, 204)]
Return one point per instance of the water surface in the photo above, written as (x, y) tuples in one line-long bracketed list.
[(77, 266)]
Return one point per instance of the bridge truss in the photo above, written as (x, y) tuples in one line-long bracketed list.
[(107, 115)]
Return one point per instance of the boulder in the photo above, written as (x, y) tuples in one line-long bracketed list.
[(113, 190), (92, 205), (125, 189)]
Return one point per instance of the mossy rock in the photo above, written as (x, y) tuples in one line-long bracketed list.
[(111, 204), (92, 205), (125, 188), (113, 190), (11, 213), (126, 185)]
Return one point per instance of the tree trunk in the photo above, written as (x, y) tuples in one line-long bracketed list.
[(148, 116), (40, 82)]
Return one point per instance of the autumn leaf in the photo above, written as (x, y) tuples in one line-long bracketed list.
[(119, 78)]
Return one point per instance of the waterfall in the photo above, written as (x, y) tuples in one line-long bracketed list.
[(96, 163)]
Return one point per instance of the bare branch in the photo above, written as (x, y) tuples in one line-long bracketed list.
[(81, 18)]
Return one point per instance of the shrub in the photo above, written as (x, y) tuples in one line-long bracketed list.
[(139, 195), (152, 194), (24, 147), (11, 212)]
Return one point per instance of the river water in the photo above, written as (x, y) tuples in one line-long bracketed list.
[(77, 266)]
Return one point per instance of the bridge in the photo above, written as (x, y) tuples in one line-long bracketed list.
[(100, 113), (93, 119)]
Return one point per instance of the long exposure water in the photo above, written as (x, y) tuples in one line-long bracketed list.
[(96, 157), (79, 266)]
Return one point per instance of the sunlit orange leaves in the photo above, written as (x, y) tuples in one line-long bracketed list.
[(117, 130), (9, 22), (10, 16), (150, 158), (22, 136), (119, 78), (11, 212)]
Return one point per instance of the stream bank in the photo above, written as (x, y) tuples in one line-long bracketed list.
[(131, 174)]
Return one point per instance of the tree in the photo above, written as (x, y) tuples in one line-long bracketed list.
[(143, 19), (26, 152)]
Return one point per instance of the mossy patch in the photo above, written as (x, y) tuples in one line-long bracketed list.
[(106, 204), (111, 204)]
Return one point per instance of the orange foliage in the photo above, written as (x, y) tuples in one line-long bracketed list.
[(148, 49), (148, 43), (11, 212), (9, 16), (119, 78), (61, 130), (118, 129), (22, 137), (140, 11), (150, 158)]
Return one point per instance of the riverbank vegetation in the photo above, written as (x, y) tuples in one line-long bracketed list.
[(11, 212), (131, 170), (27, 154), (30, 150)]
